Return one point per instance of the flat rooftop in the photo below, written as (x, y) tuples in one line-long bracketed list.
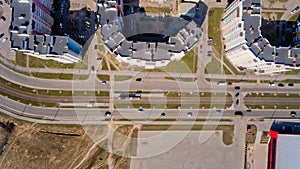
[(288, 151)]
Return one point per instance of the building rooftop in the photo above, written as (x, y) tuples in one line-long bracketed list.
[(288, 151), (260, 46)]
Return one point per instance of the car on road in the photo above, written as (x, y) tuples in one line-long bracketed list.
[(281, 85), (107, 114), (293, 114), (138, 79), (1, 35), (140, 110), (237, 94), (295, 10), (237, 87), (271, 84), (249, 111), (238, 113), (200, 46), (218, 111), (229, 83), (189, 114), (291, 84), (221, 83), (210, 41), (93, 68), (163, 114), (237, 101), (103, 82)]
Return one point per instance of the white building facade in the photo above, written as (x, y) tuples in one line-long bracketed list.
[(244, 45)]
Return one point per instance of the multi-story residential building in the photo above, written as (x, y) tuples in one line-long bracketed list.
[(244, 45), (31, 32), (148, 41)]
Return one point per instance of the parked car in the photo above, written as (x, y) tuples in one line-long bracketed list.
[(1, 35), (293, 114), (281, 85), (249, 111), (189, 114), (3, 18), (291, 84), (163, 114), (201, 47), (103, 82), (4, 40), (295, 10), (237, 94), (218, 111), (229, 83), (140, 110), (138, 79)]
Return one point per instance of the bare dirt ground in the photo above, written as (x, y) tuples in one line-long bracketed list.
[(65, 146)]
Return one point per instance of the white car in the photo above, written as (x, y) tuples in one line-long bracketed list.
[(295, 10), (271, 84)]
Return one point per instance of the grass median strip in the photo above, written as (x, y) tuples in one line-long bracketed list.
[(53, 92), (28, 102)]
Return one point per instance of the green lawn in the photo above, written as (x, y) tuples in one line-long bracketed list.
[(214, 31), (122, 78), (104, 64), (59, 76), (191, 59), (35, 62), (188, 64), (103, 77), (295, 17), (21, 59), (213, 67), (293, 72)]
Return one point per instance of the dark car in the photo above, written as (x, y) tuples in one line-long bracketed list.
[(237, 94), (138, 79), (293, 114), (237, 87), (1, 35), (189, 114), (291, 84), (218, 111), (280, 85), (107, 114), (3, 18), (103, 82), (163, 114), (249, 111), (237, 101), (238, 113), (140, 110)]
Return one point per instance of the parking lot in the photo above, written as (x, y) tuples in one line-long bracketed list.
[(188, 152)]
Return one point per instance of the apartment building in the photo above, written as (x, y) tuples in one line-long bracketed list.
[(246, 48)]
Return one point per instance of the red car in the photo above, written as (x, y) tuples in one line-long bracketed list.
[(229, 83), (201, 46)]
